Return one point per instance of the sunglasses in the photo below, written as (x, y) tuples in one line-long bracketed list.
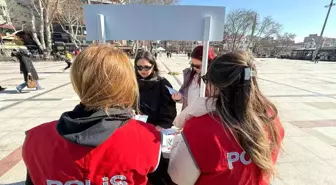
[(195, 66), (146, 68), (205, 79)]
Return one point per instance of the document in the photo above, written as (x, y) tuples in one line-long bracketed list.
[(171, 90)]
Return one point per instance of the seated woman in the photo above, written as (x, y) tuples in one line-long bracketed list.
[(98, 142), (155, 99), (236, 140)]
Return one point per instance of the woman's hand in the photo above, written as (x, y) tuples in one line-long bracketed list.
[(177, 96)]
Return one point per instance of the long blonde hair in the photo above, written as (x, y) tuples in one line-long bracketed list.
[(103, 77), (243, 109)]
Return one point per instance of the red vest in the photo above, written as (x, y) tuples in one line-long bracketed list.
[(219, 156), (125, 158)]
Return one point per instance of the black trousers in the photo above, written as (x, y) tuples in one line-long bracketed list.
[(68, 64), (161, 176)]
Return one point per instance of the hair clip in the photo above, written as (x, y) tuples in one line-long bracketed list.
[(249, 73)]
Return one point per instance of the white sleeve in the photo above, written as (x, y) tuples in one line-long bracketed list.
[(180, 119), (195, 109), (182, 169)]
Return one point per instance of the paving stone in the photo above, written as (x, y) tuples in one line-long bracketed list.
[(305, 95)]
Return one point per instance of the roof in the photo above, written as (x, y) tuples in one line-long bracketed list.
[(8, 26)]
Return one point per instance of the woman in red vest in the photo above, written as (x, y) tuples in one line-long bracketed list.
[(232, 138), (98, 142)]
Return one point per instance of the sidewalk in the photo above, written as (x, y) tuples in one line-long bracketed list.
[(304, 93)]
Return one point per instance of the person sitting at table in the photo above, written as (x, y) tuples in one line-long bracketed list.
[(237, 138), (190, 89), (155, 99), (97, 142)]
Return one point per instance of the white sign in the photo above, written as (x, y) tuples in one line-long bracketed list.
[(153, 22)]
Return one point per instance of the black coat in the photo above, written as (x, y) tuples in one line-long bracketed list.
[(156, 101), (27, 66)]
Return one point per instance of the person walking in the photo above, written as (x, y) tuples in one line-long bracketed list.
[(317, 58), (155, 55), (190, 88), (237, 138), (155, 99), (2, 88), (26, 68), (98, 142), (189, 55), (68, 59)]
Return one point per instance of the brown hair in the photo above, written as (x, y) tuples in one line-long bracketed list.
[(103, 77), (197, 53), (243, 109)]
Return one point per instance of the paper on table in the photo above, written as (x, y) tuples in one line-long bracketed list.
[(142, 118), (171, 90), (167, 139)]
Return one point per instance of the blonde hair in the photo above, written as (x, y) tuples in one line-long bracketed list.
[(103, 77), (244, 110)]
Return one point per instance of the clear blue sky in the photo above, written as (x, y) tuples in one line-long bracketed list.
[(302, 17)]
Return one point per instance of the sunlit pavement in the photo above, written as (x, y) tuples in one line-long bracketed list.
[(305, 94)]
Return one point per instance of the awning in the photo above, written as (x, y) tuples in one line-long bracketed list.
[(8, 26)]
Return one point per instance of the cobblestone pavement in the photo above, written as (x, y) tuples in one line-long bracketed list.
[(305, 94)]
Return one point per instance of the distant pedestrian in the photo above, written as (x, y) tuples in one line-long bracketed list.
[(167, 54), (189, 55), (317, 58), (68, 58), (27, 69), (77, 51), (2, 88), (155, 55)]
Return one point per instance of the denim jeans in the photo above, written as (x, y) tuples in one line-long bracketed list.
[(24, 84)]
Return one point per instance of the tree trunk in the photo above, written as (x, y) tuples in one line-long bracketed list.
[(41, 31), (34, 31), (73, 35), (48, 38)]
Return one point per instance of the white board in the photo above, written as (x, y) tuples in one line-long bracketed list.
[(154, 22)]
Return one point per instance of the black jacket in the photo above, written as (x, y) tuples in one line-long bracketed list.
[(26, 66), (156, 101)]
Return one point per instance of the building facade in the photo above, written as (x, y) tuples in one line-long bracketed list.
[(326, 41)]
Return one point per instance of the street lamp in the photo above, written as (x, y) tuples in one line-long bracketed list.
[(318, 47)]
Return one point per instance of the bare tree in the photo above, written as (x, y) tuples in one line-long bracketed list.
[(50, 8), (17, 17), (37, 10), (31, 14), (71, 16), (237, 26), (266, 28), (282, 42)]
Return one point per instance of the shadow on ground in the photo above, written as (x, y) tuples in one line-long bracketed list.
[(12, 92)]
